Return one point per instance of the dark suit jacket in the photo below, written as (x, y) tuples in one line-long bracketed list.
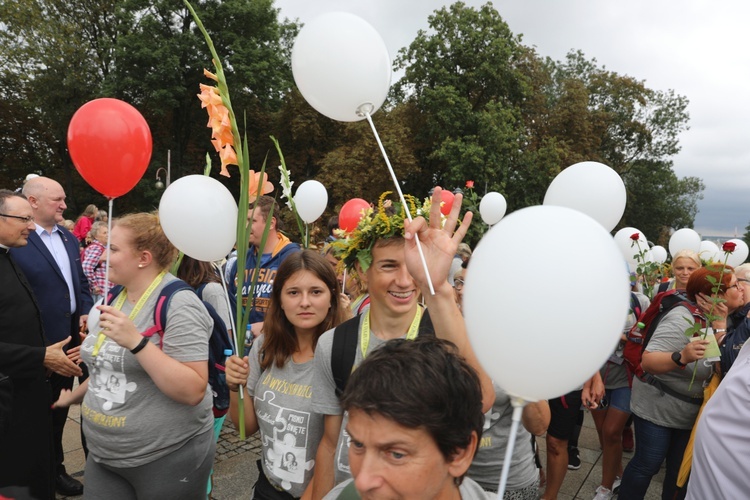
[(26, 448), (50, 288)]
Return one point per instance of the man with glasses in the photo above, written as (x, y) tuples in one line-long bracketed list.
[(52, 264), (25, 395)]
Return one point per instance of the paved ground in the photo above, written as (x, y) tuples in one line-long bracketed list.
[(235, 471)]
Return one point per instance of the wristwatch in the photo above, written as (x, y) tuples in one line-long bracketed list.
[(676, 357)]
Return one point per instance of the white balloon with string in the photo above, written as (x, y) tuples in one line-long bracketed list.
[(502, 304), (342, 68), (310, 200)]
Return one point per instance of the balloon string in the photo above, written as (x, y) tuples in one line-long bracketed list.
[(100, 339), (236, 334), (403, 201), (518, 405)]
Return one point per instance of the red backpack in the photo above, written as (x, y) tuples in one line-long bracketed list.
[(640, 334)]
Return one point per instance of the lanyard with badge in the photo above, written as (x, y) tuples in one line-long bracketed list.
[(364, 337), (138, 306)]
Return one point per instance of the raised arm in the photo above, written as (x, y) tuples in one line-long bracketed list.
[(439, 245)]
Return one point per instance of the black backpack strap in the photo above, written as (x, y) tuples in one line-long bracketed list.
[(343, 352), (426, 327), (344, 348)]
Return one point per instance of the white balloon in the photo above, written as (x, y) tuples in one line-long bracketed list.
[(740, 254), (341, 66), (659, 254), (519, 338), (492, 208), (710, 251), (684, 239), (199, 216), (311, 200), (592, 188), (628, 246)]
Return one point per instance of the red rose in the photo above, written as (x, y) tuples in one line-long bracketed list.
[(729, 246), (635, 236), (469, 184)]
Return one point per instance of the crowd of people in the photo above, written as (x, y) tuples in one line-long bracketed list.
[(358, 380)]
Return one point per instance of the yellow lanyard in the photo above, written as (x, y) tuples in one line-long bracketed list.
[(364, 337), (138, 306)]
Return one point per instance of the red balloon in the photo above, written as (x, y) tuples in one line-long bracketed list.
[(110, 145), (447, 198), (351, 213)]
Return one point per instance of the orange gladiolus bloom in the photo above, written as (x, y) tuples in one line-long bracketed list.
[(258, 186), (219, 123)]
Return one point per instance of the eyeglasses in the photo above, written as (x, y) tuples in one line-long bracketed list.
[(736, 285), (743, 280), (458, 283), (26, 219)]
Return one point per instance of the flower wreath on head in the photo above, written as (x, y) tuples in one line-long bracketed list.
[(385, 222)]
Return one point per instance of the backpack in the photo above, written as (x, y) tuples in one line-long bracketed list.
[(640, 334), (344, 349), (219, 343)]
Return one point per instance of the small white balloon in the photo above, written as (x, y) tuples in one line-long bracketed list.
[(502, 293), (659, 254), (492, 208), (710, 251), (631, 242), (684, 239), (311, 200), (592, 188), (341, 66), (199, 216), (740, 253)]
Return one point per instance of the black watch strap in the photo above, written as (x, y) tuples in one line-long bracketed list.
[(676, 357)]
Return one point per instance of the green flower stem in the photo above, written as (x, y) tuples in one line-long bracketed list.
[(710, 318)]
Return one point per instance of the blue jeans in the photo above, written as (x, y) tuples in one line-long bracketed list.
[(654, 443)]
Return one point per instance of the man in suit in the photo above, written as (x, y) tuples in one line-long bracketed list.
[(52, 264), (26, 445)]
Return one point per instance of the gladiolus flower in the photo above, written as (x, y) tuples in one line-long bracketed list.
[(258, 186), (219, 123)]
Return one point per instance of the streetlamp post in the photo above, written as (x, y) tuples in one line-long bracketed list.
[(168, 172)]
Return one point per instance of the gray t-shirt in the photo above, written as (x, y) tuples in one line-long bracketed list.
[(614, 373), (214, 294), (469, 490), (127, 420), (325, 400), (488, 462), (289, 428), (650, 403)]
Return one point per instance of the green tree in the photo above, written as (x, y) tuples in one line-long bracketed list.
[(465, 90)]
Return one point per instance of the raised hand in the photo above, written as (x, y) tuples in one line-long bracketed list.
[(439, 244)]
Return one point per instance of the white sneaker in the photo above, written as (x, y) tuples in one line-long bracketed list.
[(603, 493), (616, 484)]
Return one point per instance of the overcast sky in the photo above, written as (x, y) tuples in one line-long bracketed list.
[(698, 48)]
